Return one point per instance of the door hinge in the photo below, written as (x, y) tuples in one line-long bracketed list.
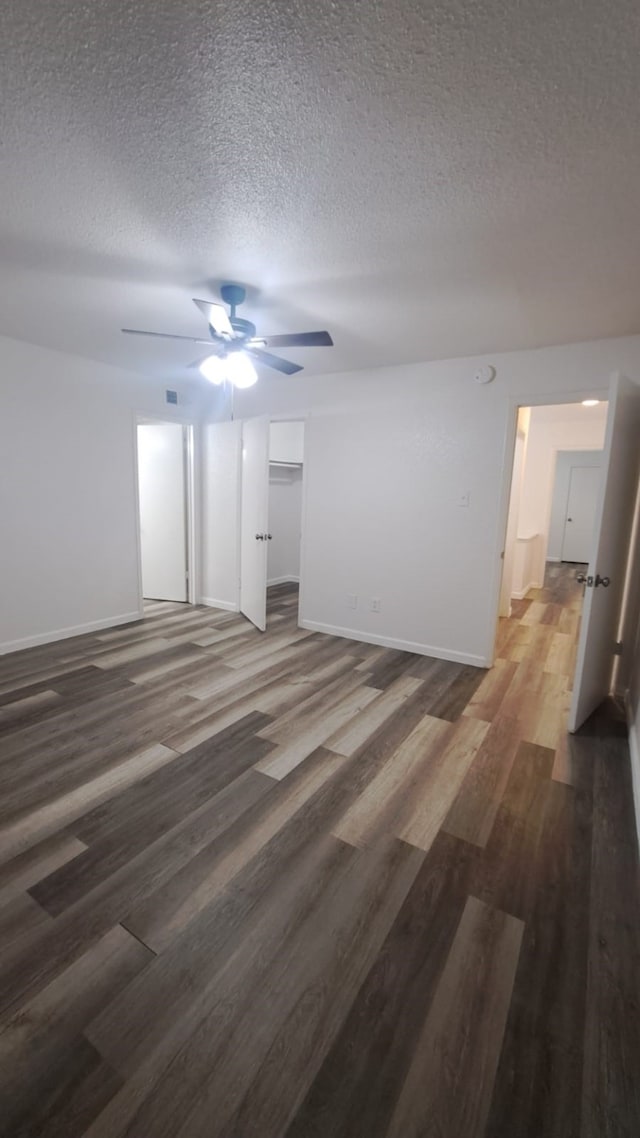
[(617, 648)]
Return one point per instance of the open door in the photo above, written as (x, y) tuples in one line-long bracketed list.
[(163, 518), (221, 512), (606, 577), (255, 515)]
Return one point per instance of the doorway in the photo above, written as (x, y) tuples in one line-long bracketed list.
[(541, 598), (165, 481), (271, 525), (603, 612), (551, 441)]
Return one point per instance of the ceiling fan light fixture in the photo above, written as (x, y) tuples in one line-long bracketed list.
[(214, 369), (231, 335)]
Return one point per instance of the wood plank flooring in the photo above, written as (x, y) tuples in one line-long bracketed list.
[(289, 885)]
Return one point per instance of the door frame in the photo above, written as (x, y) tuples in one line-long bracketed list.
[(191, 503), (514, 403), (301, 417)]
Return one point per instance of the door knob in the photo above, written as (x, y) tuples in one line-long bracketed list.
[(259, 537), (569, 519), (590, 582), (268, 536)]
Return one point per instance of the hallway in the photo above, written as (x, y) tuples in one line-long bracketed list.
[(294, 885)]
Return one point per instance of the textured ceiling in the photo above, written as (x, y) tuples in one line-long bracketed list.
[(423, 179)]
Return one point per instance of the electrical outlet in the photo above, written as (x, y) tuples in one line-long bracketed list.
[(352, 601), (375, 605)]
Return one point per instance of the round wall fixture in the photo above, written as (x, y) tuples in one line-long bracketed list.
[(485, 374)]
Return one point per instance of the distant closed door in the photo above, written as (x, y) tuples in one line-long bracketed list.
[(584, 485), (163, 532)]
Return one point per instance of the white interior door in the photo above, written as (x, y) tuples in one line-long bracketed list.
[(221, 457), (613, 527), (584, 484), (255, 519), (163, 523), (509, 554)]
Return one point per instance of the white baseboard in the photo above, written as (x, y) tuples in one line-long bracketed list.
[(634, 751), (401, 645), (520, 594), (212, 603), (66, 633), (549, 558), (283, 581)]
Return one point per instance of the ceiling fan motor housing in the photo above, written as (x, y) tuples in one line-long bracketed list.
[(234, 295)]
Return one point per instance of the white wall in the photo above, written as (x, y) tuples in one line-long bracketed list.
[(552, 429), (387, 455), (285, 520), (221, 458), (564, 461), (68, 495)]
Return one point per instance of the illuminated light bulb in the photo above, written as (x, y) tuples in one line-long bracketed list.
[(240, 371), (214, 369), (590, 402)]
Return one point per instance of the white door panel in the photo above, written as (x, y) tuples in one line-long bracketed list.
[(161, 488), (255, 519), (221, 512), (584, 486), (613, 527)]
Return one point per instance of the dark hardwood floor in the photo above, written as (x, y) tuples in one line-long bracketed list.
[(290, 885)]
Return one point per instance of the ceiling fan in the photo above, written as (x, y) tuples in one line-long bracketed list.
[(234, 342)]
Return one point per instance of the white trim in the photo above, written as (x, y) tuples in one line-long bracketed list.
[(392, 642), (558, 559), (634, 752), (192, 507), (73, 630), (520, 594), (304, 491), (212, 603), (282, 581), (135, 421)]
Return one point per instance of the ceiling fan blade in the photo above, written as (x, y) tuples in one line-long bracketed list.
[(165, 336), (301, 340), (274, 361), (216, 316)]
